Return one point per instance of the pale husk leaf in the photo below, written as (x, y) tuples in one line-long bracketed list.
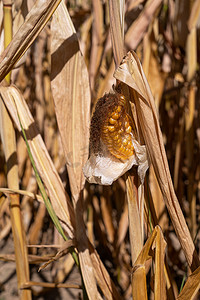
[(130, 72), (104, 169), (135, 200)]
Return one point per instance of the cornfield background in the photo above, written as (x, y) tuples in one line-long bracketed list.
[(127, 240)]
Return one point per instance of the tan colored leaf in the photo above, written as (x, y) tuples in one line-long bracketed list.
[(71, 93), (104, 281), (130, 72), (60, 201), (87, 269), (97, 46), (191, 48)]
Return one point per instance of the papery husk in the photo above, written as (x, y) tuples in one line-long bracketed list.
[(130, 72), (103, 168)]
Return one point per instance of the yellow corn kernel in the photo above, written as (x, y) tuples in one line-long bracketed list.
[(128, 129), (119, 108), (112, 121), (115, 115), (111, 128)]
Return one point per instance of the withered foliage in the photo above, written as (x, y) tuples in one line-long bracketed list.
[(138, 237)]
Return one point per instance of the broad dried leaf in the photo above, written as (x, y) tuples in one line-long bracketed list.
[(16, 104), (104, 281), (97, 46), (87, 269), (130, 72), (71, 93)]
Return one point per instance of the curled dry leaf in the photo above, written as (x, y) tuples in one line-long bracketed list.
[(114, 148), (130, 73)]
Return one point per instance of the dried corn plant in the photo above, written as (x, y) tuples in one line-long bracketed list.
[(100, 147)]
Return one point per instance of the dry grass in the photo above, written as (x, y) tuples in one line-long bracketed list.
[(130, 239)]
